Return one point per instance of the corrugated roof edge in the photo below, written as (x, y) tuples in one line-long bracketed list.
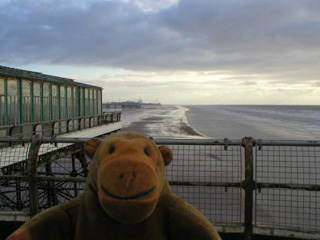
[(30, 75)]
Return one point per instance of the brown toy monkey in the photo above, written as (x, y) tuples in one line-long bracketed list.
[(127, 197)]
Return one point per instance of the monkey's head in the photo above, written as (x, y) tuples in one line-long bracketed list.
[(128, 174)]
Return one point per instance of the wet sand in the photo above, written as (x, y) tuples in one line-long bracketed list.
[(141, 127), (189, 130), (151, 126)]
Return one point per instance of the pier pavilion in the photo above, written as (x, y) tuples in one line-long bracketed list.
[(32, 102)]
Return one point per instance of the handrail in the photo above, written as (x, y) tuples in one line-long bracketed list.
[(58, 120), (81, 123)]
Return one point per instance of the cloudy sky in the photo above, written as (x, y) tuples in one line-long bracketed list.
[(171, 51)]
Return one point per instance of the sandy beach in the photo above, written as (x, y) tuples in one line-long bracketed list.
[(140, 127), (165, 122)]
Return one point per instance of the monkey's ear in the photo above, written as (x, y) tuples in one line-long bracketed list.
[(91, 146), (166, 154)]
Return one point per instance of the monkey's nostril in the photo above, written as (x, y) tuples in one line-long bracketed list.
[(128, 175)]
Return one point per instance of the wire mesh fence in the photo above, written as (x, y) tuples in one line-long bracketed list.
[(261, 187), (209, 177), (289, 194)]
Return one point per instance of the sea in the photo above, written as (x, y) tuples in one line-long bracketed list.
[(266, 122)]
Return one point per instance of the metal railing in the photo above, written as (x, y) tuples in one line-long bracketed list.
[(58, 127), (242, 186)]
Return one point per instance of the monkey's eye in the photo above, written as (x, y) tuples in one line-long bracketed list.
[(111, 149), (147, 152)]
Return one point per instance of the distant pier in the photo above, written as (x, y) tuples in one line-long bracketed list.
[(129, 105)]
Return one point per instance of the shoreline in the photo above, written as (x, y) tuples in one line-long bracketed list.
[(189, 130), (140, 127), (161, 122)]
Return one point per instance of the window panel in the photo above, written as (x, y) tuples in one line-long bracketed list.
[(70, 102), (26, 101), (76, 101), (82, 102), (46, 102), (87, 101), (55, 102), (2, 102), (63, 109), (13, 112), (99, 102), (37, 102), (91, 102)]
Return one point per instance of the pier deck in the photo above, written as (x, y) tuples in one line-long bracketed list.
[(19, 153)]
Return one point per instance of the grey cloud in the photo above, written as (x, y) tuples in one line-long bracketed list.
[(240, 36), (249, 83), (133, 84)]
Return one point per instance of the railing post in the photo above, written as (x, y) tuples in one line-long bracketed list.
[(68, 128), (80, 121), (90, 118), (53, 125), (249, 186), (32, 174)]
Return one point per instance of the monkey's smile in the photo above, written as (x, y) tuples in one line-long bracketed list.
[(127, 198)]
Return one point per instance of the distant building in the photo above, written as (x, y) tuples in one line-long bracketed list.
[(130, 105)]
